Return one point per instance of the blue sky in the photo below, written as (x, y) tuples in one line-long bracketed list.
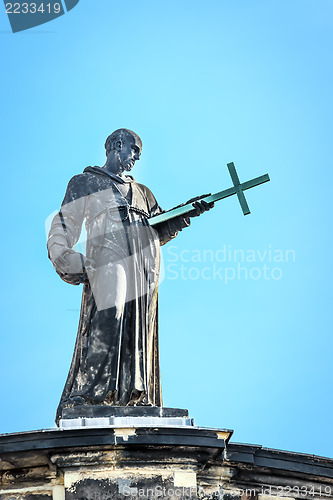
[(203, 84)]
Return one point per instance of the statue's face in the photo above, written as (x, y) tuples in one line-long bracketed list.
[(130, 152)]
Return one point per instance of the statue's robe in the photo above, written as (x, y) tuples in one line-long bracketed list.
[(116, 357)]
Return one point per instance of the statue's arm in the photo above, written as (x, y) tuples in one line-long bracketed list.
[(65, 232), (169, 229)]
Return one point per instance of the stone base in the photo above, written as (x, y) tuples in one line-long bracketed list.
[(93, 411), (123, 416)]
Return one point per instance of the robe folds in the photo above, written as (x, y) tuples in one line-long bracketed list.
[(116, 356)]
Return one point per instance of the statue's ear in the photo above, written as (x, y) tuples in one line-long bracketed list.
[(117, 145)]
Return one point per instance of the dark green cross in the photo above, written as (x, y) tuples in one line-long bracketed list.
[(237, 188)]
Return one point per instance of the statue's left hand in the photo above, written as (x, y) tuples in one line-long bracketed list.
[(200, 206)]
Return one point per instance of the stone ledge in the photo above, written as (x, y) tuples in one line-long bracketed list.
[(100, 436)]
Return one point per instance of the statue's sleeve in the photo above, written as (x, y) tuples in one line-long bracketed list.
[(169, 229), (66, 229)]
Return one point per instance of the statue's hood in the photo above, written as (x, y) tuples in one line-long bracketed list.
[(102, 171)]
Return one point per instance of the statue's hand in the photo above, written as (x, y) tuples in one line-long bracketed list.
[(74, 264), (199, 206)]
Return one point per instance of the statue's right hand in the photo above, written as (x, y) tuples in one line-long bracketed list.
[(73, 263), (199, 205)]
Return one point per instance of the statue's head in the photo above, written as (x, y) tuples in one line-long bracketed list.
[(126, 145)]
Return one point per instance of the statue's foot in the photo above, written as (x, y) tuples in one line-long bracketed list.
[(74, 401), (139, 398), (110, 398)]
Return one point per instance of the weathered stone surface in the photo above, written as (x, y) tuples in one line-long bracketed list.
[(95, 411), (172, 464), (28, 496)]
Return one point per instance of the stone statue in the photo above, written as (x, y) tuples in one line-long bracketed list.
[(116, 357)]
